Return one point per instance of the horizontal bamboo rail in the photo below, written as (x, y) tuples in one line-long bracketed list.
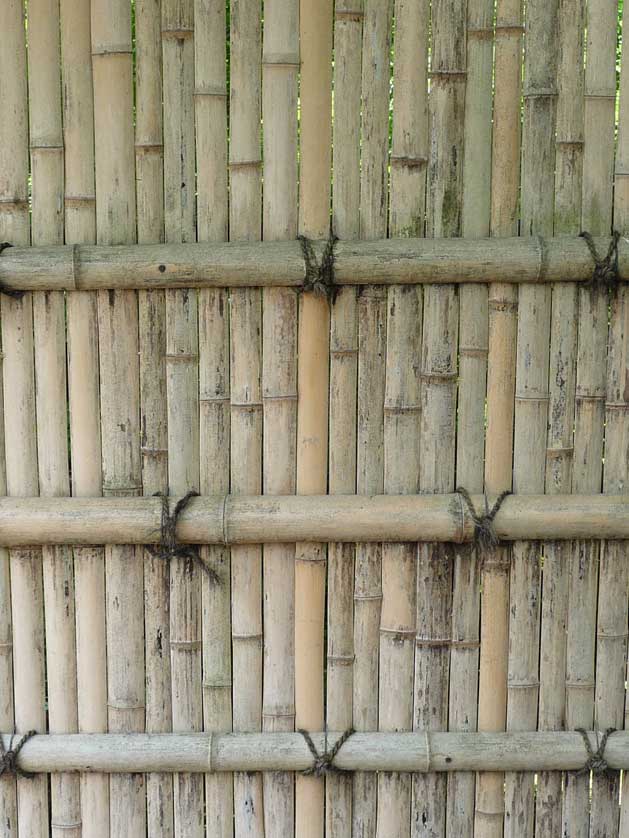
[(279, 519), (418, 752), (246, 264)]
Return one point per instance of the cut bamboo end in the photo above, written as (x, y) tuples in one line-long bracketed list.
[(284, 519), (419, 752)]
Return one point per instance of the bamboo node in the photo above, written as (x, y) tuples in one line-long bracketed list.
[(9, 756), (169, 547), (484, 531), (606, 274), (409, 161), (596, 762), (17, 295), (324, 763), (319, 278)]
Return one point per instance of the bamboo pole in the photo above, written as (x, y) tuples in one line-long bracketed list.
[(246, 398), (149, 162), (214, 412), (271, 752), (280, 62), (402, 402), (473, 341), (502, 304), (531, 398), (46, 138), (119, 392), (531, 260), (182, 386), (14, 226), (561, 379), (83, 398), (315, 25), (613, 583), (348, 21)]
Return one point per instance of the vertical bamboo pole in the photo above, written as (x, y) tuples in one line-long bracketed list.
[(83, 398), (619, 330), (375, 81), (119, 391), (531, 399), (473, 337), (315, 22), (343, 377), (14, 227), (598, 167), (502, 303), (561, 380), (402, 401), (182, 382), (149, 162), (212, 215), (439, 373), (246, 399), (46, 136)]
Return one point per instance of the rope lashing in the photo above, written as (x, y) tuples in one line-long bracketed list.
[(17, 295), (484, 531), (596, 761), (324, 763), (169, 547), (320, 277), (606, 274), (8, 758)]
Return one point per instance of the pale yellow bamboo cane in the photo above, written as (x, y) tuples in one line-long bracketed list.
[(214, 413), (119, 391), (14, 227), (246, 399), (492, 694), (149, 162), (46, 137), (315, 24), (280, 62)]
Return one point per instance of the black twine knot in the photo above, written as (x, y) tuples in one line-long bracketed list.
[(8, 758), (596, 761), (484, 531), (320, 277), (9, 292), (606, 274), (324, 763), (169, 547)]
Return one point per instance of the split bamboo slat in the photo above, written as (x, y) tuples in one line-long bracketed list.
[(315, 26), (149, 162), (83, 399), (280, 63), (214, 413), (22, 691), (112, 61), (246, 398), (348, 25), (372, 323), (531, 398)]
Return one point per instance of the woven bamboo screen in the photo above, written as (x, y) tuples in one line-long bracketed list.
[(200, 121)]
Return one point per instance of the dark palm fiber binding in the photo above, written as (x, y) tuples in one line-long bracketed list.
[(15, 294), (324, 763), (8, 758), (169, 548), (484, 531), (320, 278), (596, 762), (606, 274)]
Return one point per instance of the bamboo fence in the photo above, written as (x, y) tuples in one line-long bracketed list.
[(158, 161)]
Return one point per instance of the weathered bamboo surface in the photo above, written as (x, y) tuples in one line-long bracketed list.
[(401, 261), (264, 519), (418, 752)]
